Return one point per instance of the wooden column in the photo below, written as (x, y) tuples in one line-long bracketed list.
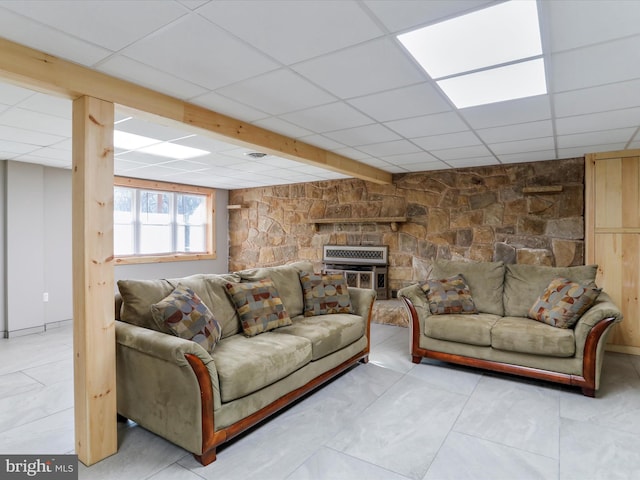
[(93, 280)]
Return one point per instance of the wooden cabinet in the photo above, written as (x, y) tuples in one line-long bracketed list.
[(612, 237)]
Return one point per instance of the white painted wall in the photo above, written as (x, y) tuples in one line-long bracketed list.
[(25, 242), (36, 201)]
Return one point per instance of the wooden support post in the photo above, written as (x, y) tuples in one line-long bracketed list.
[(93, 280)]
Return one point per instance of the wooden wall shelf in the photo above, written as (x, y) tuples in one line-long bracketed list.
[(393, 221)]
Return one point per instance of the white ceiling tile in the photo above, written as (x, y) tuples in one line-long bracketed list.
[(101, 22), (53, 154), (461, 152), (519, 146), (206, 143), (151, 130), (598, 121), (33, 34), (30, 137), (410, 158), (622, 135), (598, 99), (43, 103), (424, 167), (436, 124), (282, 127), (596, 65), (398, 15), (364, 69), (472, 162), (576, 23), (278, 162), (294, 31), (353, 153), (193, 4), (508, 113), (127, 69), (389, 148), (524, 157), (12, 94), (519, 131), (327, 118), (207, 64), (413, 101), (8, 146), (120, 165), (228, 107), (143, 158), (367, 134), (581, 151), (321, 141), (187, 165), (449, 140), (264, 92), (36, 121)]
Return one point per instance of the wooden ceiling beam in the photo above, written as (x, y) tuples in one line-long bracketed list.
[(43, 72)]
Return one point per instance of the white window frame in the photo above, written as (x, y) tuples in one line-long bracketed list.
[(138, 184)]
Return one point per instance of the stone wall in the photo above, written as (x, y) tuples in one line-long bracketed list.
[(520, 213)]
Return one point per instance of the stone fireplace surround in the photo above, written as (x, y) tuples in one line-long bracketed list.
[(529, 213)]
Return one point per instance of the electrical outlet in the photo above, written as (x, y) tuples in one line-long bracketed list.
[(45, 297)]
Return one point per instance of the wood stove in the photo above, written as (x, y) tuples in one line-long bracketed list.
[(362, 266)]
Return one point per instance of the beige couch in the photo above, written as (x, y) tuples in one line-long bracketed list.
[(500, 337), (176, 389)]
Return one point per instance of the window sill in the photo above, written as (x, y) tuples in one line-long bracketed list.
[(176, 257)]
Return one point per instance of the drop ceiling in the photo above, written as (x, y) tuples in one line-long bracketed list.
[(327, 73)]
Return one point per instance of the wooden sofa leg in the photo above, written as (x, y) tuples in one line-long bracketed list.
[(365, 359), (207, 457), (589, 392), (416, 358)]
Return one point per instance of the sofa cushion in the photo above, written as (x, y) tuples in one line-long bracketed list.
[(449, 295), (325, 294), (187, 317), (485, 280), (523, 284), (247, 364), (469, 329), (137, 298), (327, 333), (286, 280), (139, 295), (563, 302), (259, 306), (524, 335)]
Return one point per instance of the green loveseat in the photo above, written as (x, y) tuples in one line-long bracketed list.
[(176, 389), (500, 337)]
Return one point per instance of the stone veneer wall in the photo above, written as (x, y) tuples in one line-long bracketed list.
[(478, 214)]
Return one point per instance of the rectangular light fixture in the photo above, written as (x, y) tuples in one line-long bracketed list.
[(486, 56), (138, 143)]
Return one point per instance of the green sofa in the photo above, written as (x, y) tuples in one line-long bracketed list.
[(500, 337), (176, 389)]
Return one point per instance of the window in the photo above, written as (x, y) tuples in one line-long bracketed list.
[(155, 221)]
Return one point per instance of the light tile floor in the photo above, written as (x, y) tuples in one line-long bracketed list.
[(386, 420)]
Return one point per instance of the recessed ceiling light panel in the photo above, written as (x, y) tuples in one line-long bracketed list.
[(498, 37)]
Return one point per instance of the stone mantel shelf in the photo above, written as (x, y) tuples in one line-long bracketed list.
[(393, 221)]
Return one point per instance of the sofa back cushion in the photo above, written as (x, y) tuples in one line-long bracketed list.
[(485, 281), (137, 298), (139, 295), (286, 280), (524, 283)]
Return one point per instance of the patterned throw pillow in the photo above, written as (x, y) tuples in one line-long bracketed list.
[(325, 294), (258, 305), (187, 317), (449, 295), (563, 302)]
